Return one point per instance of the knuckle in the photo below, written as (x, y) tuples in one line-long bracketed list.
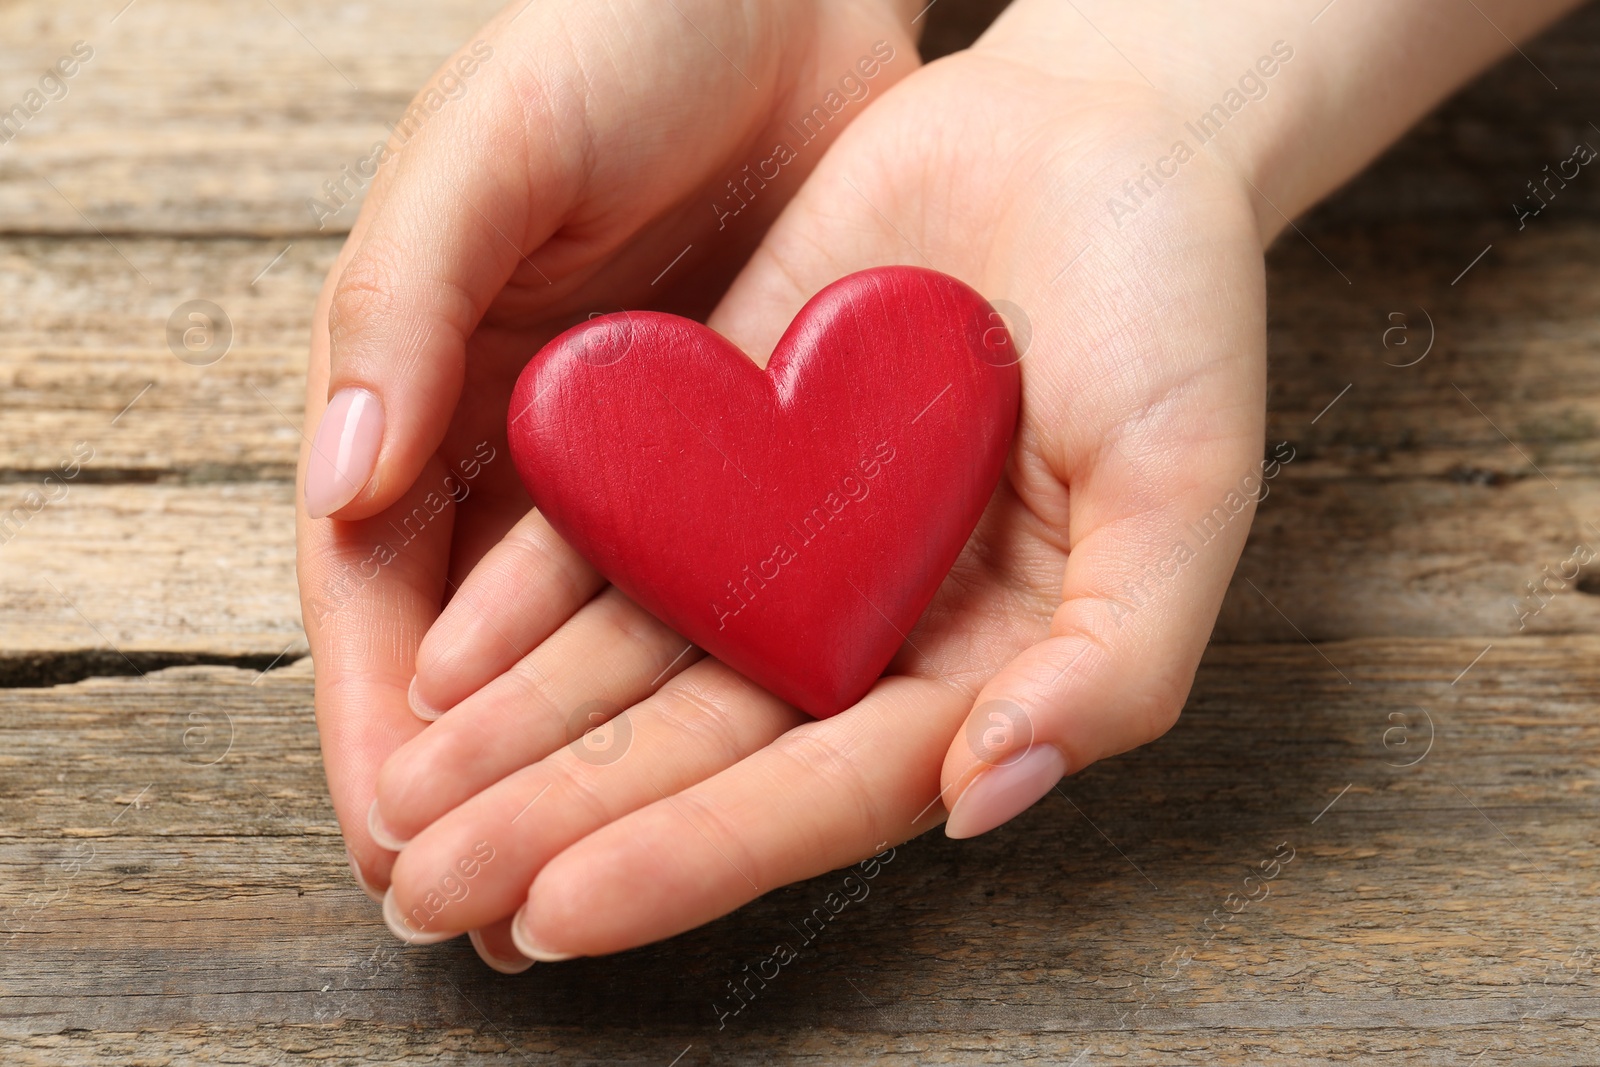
[(1164, 703), (529, 688), (584, 787), (814, 750), (538, 563), (621, 618), (705, 717), (365, 293), (725, 832)]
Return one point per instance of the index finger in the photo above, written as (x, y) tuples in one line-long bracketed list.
[(366, 604)]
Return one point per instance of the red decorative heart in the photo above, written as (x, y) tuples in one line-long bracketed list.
[(792, 522)]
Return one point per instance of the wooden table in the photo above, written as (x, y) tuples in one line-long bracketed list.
[(172, 882)]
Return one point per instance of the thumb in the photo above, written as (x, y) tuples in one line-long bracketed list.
[(580, 148), (1141, 595), (442, 234)]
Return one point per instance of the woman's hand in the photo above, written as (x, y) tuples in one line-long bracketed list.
[(1042, 168), (578, 157), (1068, 631)]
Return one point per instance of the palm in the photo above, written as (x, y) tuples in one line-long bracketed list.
[(1002, 192)]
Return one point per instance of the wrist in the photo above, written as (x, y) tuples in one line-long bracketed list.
[(1289, 100)]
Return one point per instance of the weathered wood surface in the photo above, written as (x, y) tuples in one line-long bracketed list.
[(192, 898), (172, 887), (200, 117), (82, 337)]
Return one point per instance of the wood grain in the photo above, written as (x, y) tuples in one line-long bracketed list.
[(172, 873), (1429, 911), (135, 571), (203, 118), (84, 356), (1465, 516), (209, 118)]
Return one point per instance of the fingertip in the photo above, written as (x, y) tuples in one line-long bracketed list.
[(344, 451), (1084, 696), (998, 730), (1000, 793), (401, 929), (361, 878), (497, 948), (381, 833), (420, 706), (528, 943)]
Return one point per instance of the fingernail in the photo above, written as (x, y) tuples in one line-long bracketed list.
[(1005, 791), (361, 879), (497, 962), (419, 707), (399, 928), (344, 452), (385, 837), (530, 948)]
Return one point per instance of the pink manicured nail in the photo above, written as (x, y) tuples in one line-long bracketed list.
[(385, 837), (528, 947), (399, 928), (361, 879), (419, 707), (345, 451), (494, 959), (1005, 791)]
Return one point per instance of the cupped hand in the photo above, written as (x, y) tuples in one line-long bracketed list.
[(577, 157), (1068, 631)]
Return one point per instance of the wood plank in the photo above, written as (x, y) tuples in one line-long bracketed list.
[(1489, 376), (1440, 1042), (1349, 557), (1403, 461), (208, 570), (1430, 911), (130, 574), (83, 336), (1507, 389), (196, 117)]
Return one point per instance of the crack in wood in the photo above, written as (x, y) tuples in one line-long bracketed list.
[(41, 670), (204, 474)]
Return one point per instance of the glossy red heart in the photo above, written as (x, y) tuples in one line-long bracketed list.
[(792, 522)]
